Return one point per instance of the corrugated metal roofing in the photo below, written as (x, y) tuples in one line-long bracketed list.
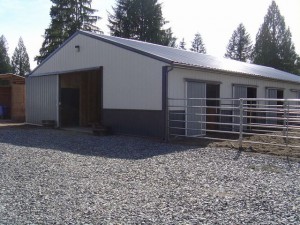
[(193, 59)]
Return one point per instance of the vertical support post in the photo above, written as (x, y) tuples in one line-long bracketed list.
[(287, 123), (284, 118), (241, 124)]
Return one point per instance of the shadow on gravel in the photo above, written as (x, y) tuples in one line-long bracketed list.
[(120, 147)]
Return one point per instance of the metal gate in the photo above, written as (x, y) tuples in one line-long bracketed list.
[(237, 118)]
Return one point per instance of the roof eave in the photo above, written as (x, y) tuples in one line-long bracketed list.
[(182, 65)]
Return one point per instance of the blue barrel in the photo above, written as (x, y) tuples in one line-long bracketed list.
[(5, 112), (1, 111)]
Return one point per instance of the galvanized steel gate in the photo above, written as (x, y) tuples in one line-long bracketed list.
[(236, 119)]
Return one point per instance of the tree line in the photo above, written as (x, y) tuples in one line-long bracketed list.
[(143, 20), (273, 46), (19, 64)]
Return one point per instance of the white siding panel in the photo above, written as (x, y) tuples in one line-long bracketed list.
[(177, 81), (41, 99), (130, 80)]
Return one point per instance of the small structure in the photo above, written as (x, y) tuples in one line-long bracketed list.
[(126, 84), (12, 97)]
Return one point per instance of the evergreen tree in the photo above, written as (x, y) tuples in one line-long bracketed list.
[(298, 66), (182, 44), (239, 46), (67, 16), (20, 60), (140, 20), (168, 39), (198, 45), (274, 45), (4, 58)]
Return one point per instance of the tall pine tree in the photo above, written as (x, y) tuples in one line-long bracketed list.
[(182, 44), (4, 58), (20, 60), (140, 20), (67, 16), (274, 46), (239, 46), (198, 45)]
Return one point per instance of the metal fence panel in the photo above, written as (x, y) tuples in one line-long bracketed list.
[(238, 118)]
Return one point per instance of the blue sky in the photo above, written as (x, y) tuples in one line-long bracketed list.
[(214, 19)]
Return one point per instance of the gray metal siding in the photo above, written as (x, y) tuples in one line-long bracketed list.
[(195, 90), (42, 99)]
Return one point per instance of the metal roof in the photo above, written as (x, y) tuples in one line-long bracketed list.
[(193, 59)]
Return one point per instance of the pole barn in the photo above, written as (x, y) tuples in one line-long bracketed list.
[(125, 84)]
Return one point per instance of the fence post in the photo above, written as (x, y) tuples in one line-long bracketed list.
[(241, 124), (287, 116), (284, 118)]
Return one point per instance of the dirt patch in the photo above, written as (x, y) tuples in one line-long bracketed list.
[(263, 147), (265, 144)]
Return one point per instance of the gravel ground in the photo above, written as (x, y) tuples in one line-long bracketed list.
[(58, 177)]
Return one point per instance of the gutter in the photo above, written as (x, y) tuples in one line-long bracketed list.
[(166, 71)]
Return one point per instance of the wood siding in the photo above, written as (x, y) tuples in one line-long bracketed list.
[(12, 95)]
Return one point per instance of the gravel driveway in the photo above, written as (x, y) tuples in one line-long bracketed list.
[(58, 177)]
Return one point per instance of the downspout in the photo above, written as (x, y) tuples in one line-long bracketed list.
[(166, 70)]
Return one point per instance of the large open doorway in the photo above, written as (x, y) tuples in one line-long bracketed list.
[(80, 98)]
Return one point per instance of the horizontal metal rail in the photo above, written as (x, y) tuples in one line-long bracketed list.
[(246, 117)]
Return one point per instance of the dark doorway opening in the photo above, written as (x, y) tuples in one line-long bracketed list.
[(251, 93), (212, 118), (280, 105), (69, 99)]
